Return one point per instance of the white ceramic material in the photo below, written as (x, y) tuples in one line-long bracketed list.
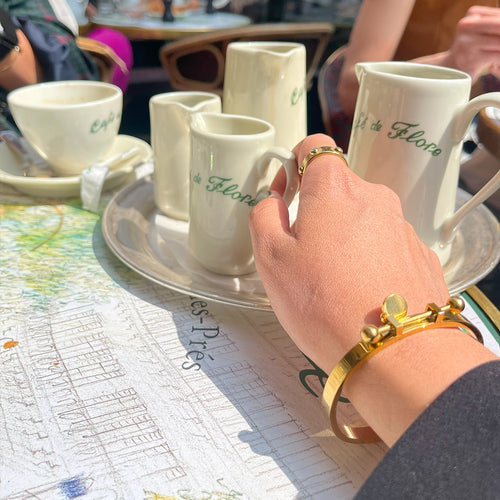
[(229, 174), (170, 115), (11, 171), (267, 80), (72, 124), (409, 123)]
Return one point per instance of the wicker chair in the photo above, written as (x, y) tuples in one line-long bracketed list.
[(198, 62), (104, 56)]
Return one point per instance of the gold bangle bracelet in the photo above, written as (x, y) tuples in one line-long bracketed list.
[(322, 150), (396, 326)]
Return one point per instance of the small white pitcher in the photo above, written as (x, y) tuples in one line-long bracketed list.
[(267, 80), (230, 173), (170, 115), (408, 127)]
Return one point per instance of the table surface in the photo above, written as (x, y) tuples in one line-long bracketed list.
[(153, 28), (113, 386), (341, 13), (121, 388)]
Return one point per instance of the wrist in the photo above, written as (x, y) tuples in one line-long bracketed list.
[(394, 387), (385, 383)]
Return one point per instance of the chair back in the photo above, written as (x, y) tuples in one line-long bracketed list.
[(103, 55), (198, 62), (336, 123), (488, 132)]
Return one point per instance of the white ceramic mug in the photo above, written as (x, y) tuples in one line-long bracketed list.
[(72, 124), (267, 80), (408, 127), (229, 174), (170, 115)]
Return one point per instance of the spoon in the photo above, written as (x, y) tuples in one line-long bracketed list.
[(33, 164), (116, 159)]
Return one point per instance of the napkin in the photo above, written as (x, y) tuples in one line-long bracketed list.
[(91, 186), (92, 178)]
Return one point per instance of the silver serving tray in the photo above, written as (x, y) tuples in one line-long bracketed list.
[(156, 247)]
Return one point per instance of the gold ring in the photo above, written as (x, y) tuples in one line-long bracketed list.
[(322, 150)]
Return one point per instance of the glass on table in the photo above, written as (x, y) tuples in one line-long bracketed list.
[(106, 7)]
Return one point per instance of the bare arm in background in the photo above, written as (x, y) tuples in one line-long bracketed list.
[(24, 70), (375, 36), (381, 23)]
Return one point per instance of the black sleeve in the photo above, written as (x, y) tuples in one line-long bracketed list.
[(452, 450), (8, 35)]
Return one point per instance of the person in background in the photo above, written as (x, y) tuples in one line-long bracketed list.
[(36, 46), (461, 34), (434, 396)]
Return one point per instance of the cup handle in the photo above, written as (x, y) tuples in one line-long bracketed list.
[(288, 160), (462, 123)]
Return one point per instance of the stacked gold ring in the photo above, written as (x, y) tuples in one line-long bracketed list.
[(322, 150)]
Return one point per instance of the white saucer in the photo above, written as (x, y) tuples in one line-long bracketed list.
[(156, 247), (66, 187)]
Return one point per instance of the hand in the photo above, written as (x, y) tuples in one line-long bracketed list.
[(476, 45), (328, 274), (350, 247)]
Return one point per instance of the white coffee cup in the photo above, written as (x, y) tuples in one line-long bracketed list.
[(409, 123), (170, 115), (267, 80), (72, 124), (229, 174)]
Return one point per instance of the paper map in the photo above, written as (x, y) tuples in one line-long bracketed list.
[(112, 387)]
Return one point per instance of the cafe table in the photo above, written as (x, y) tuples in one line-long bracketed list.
[(154, 28), (118, 381)]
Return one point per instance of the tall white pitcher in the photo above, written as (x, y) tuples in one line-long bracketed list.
[(409, 123), (267, 80)]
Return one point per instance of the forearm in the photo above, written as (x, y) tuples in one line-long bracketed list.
[(395, 386), (371, 40)]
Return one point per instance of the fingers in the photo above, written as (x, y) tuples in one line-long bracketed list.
[(279, 183), (327, 185), (324, 172), (310, 142), (484, 20), (327, 172), (269, 228), (269, 220), (483, 11)]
